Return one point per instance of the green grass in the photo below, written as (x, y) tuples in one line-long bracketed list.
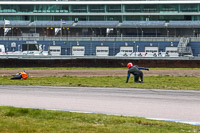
[(17, 120), (152, 82)]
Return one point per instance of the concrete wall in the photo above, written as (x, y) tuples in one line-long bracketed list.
[(79, 62)]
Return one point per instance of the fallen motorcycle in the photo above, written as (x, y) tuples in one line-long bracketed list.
[(20, 75)]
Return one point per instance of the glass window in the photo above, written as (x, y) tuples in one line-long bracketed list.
[(149, 8), (171, 17), (44, 18), (65, 8), (96, 8), (58, 18), (113, 8), (25, 8), (79, 8), (79, 18), (189, 8), (96, 18), (114, 18), (132, 8), (168, 8), (16, 8), (11, 17)]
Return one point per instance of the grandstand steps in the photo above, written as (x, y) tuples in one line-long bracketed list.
[(183, 48)]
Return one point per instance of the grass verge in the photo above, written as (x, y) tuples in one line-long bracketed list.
[(152, 82), (34, 120)]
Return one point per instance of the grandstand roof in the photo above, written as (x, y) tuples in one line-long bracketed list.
[(37, 23), (184, 24), (143, 24), (52, 23), (97, 23), (103, 24), (17, 23)]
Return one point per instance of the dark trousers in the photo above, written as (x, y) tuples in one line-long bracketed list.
[(16, 77), (138, 75)]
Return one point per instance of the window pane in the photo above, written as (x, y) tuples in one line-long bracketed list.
[(96, 8), (189, 8), (113, 8), (79, 8)]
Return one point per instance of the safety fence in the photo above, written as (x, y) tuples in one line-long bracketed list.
[(79, 38), (44, 38)]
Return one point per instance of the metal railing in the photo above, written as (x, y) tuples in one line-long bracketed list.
[(44, 38), (78, 38)]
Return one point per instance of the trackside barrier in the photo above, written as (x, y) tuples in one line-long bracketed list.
[(98, 62)]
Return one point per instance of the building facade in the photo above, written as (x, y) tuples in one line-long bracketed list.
[(101, 19)]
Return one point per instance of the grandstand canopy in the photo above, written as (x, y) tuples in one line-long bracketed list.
[(184, 24), (106, 24), (143, 24), (52, 23), (18, 23)]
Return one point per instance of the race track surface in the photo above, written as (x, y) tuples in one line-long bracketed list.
[(174, 105)]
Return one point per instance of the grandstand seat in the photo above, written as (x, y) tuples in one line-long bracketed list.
[(66, 11), (13, 11), (4, 10), (9, 10)]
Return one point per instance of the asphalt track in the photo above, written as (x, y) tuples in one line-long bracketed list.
[(172, 105)]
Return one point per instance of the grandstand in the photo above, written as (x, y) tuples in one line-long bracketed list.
[(93, 23)]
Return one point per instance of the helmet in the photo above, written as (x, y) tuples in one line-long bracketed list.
[(129, 65)]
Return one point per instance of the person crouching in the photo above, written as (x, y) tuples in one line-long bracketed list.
[(136, 71)]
